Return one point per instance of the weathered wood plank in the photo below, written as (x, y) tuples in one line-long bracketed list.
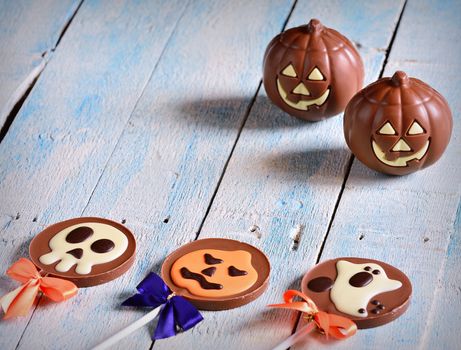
[(284, 177), (55, 151), (170, 158), (29, 31), (413, 222)]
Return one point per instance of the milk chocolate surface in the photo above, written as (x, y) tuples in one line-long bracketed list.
[(369, 292), (87, 251), (312, 71), (217, 273), (398, 125)]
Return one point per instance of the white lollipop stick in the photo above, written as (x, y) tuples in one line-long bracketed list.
[(294, 338), (128, 330)]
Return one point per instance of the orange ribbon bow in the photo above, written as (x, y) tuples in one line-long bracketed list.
[(19, 301), (337, 326)]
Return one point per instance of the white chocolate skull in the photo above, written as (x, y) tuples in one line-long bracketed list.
[(348, 298), (88, 238)]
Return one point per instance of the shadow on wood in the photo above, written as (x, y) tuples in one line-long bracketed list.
[(229, 113)]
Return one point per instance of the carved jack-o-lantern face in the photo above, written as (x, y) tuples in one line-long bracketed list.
[(398, 148), (217, 273), (214, 273), (312, 71), (301, 92), (398, 125)]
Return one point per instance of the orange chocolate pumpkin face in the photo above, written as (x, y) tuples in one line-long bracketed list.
[(217, 273), (214, 273), (311, 72), (398, 125)]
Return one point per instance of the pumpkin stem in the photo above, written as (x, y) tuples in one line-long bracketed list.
[(314, 26), (400, 79)]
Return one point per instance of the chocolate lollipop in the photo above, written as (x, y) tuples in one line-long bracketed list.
[(217, 273), (212, 274), (340, 295), (74, 253), (87, 251), (312, 71), (369, 292)]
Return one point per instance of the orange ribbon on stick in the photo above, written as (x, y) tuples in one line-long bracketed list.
[(19, 301), (337, 326)]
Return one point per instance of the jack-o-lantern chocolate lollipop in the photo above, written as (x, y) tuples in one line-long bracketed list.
[(398, 125), (369, 292), (312, 71), (87, 251), (217, 273)]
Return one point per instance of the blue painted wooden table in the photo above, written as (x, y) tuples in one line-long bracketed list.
[(152, 113)]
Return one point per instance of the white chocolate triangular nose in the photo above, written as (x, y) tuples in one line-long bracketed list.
[(301, 89), (401, 146)]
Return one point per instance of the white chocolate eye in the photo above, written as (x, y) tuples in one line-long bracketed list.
[(387, 129), (415, 129), (289, 71), (315, 74)]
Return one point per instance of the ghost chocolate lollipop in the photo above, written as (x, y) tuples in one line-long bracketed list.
[(87, 251), (369, 292), (312, 71), (217, 274)]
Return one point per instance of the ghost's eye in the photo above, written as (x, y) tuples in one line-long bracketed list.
[(79, 234), (316, 74), (289, 71), (387, 129), (416, 129)]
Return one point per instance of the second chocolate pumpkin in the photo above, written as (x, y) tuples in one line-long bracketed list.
[(312, 71)]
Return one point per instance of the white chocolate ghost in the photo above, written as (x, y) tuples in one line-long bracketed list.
[(350, 299)]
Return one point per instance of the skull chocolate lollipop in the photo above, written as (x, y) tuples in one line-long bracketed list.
[(86, 251), (312, 71), (398, 125)]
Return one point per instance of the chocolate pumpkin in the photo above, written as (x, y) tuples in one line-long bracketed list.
[(312, 71), (398, 125)]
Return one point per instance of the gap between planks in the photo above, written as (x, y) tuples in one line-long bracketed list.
[(28, 84), (134, 108), (241, 127), (352, 157), (116, 144)]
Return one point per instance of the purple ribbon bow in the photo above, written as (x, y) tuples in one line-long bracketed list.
[(176, 315)]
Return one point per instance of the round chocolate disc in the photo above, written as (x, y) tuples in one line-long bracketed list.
[(87, 251), (369, 292), (217, 273)]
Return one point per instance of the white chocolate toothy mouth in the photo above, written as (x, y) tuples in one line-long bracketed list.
[(302, 105), (401, 161)]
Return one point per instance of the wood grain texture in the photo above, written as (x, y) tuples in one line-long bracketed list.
[(94, 139), (55, 151), (412, 222), (29, 32), (282, 181), (169, 171)]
